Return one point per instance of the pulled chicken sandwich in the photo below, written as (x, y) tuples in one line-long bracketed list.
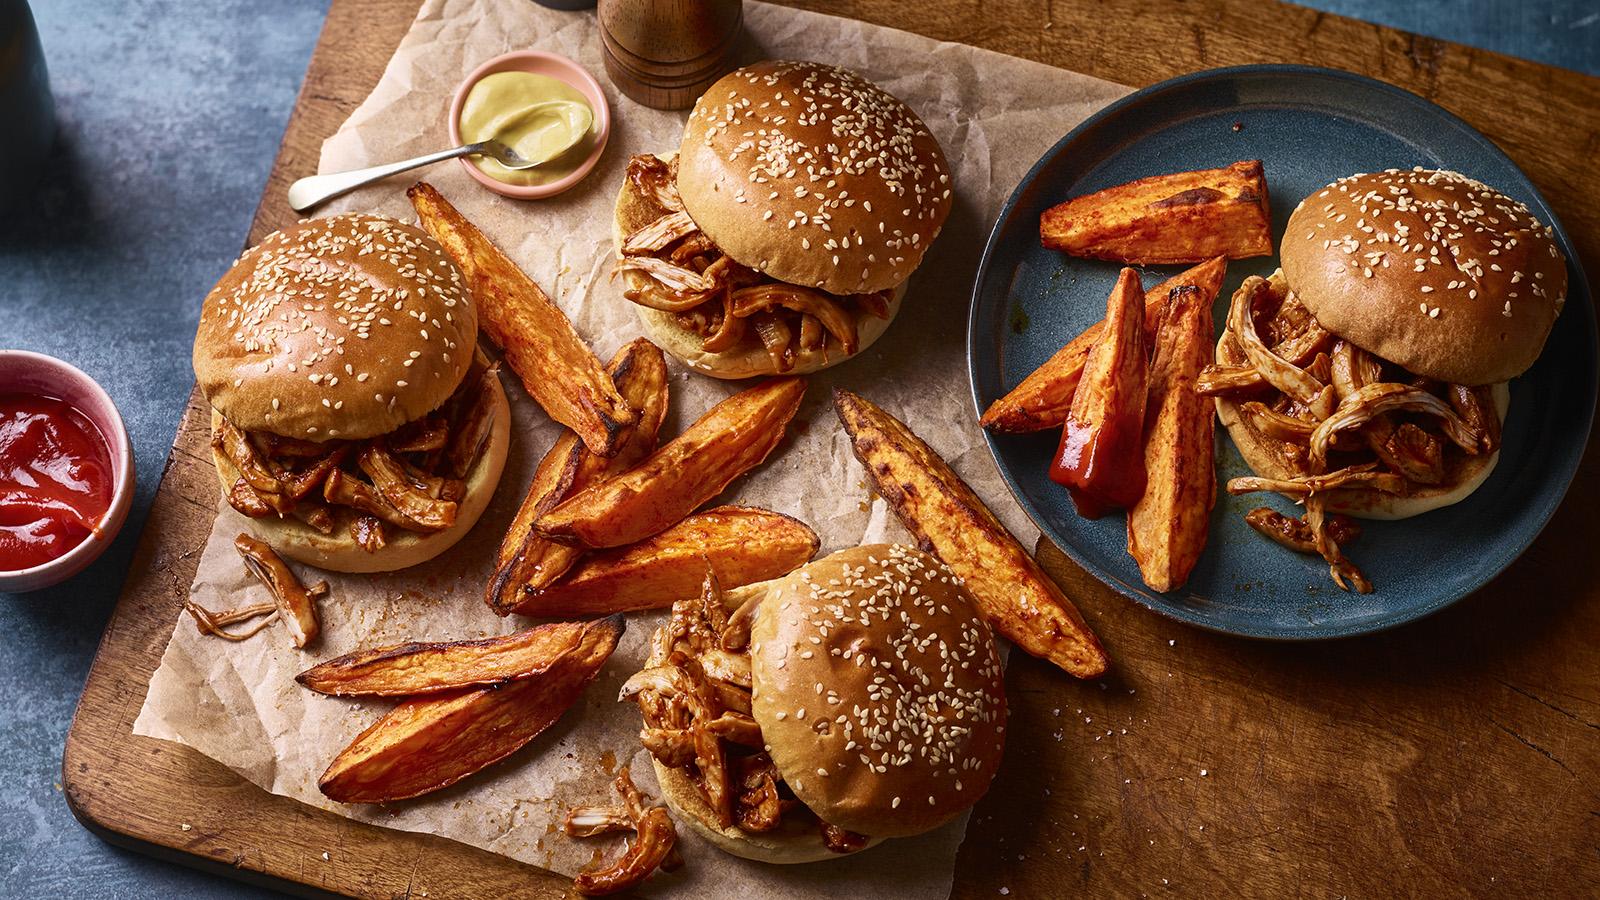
[(856, 699), (354, 423), (779, 237), (1367, 377)]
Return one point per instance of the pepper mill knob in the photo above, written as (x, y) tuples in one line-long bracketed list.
[(665, 53)]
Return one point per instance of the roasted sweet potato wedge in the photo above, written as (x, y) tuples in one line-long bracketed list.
[(527, 561), (1043, 398), (949, 520), (433, 742), (1099, 460), (732, 438), (741, 544), (414, 669), (1185, 217), (555, 365), (1167, 527)]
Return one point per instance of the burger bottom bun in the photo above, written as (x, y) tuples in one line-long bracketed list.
[(1463, 474), (796, 840), (338, 552), (749, 359)]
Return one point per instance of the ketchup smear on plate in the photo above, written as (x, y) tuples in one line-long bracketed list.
[(55, 479)]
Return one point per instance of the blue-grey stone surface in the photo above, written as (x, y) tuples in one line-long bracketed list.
[(171, 112)]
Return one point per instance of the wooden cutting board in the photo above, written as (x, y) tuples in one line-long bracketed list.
[(1457, 755)]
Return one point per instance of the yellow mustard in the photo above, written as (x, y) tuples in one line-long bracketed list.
[(535, 115)]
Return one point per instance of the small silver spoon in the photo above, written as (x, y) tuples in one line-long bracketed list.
[(318, 189)]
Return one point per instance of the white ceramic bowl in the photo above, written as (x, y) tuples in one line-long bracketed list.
[(25, 372)]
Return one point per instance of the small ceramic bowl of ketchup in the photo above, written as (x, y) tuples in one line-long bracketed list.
[(66, 471)]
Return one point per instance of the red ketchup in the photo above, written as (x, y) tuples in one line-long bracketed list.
[(55, 479), (1100, 460), (1103, 469)]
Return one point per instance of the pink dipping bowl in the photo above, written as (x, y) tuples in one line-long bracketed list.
[(23, 372), (539, 63)]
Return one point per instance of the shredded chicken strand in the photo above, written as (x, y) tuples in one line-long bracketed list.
[(296, 603), (736, 634), (470, 434), (738, 728), (1220, 379), (369, 533), (673, 226), (244, 498), (656, 180), (1364, 477), (423, 512), (840, 840), (1279, 372), (1277, 425), (1384, 397), (1406, 449), (675, 278), (1343, 572), (214, 623), (759, 807), (421, 436), (1295, 533), (315, 513), (654, 841), (1476, 407), (776, 338), (723, 665), (751, 300), (593, 821), (730, 329)]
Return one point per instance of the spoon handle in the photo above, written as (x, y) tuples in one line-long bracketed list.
[(318, 189)]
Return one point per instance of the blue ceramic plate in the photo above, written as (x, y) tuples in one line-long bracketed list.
[(1310, 126)]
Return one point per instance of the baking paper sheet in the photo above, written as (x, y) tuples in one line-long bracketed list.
[(238, 703)]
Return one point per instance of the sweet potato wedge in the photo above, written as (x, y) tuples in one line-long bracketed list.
[(1185, 217), (1043, 398), (949, 520), (527, 561), (1167, 527), (414, 669), (1099, 460), (732, 438), (433, 742), (741, 544), (555, 365)]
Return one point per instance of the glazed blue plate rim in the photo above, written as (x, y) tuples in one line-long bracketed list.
[(1497, 557)]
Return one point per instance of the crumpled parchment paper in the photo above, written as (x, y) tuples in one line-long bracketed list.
[(238, 703)]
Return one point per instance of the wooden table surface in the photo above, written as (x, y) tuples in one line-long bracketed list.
[(1459, 755)]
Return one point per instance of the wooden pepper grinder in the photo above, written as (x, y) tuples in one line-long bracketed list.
[(665, 53)]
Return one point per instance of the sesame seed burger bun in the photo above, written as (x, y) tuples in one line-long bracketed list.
[(1491, 284), (1463, 474), (345, 327), (748, 359), (338, 551), (918, 728), (879, 694), (861, 185)]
